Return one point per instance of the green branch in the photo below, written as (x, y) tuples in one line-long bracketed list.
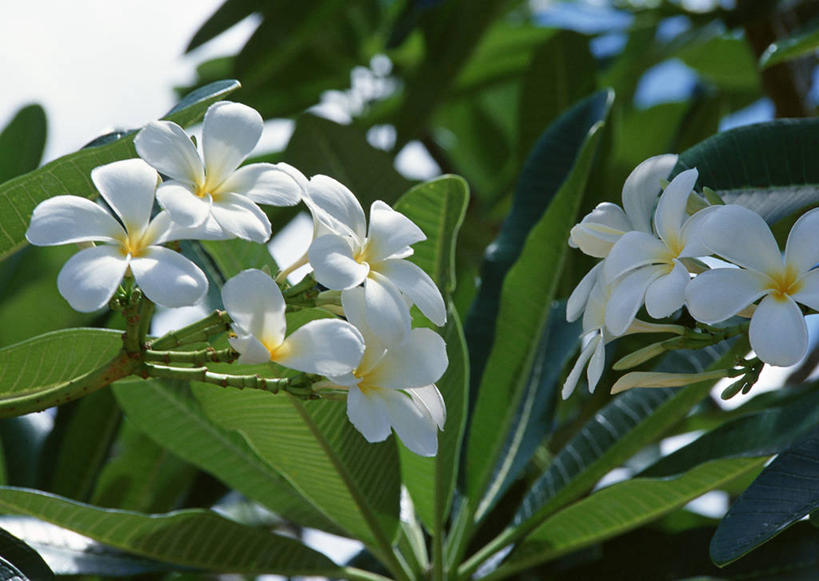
[(293, 385), (215, 323)]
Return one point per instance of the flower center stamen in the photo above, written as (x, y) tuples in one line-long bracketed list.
[(785, 284)]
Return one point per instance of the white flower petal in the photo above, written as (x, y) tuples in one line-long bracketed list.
[(336, 206), (389, 232), (413, 424), (69, 219), (166, 147), (251, 350), (368, 414), (241, 217), (580, 295), (186, 208), (778, 331), (633, 250), (387, 314), (741, 236), (671, 215), (418, 286), (89, 279), (599, 230), (263, 183), (163, 229), (627, 296), (716, 295), (355, 309), (419, 361), (692, 233), (128, 186), (597, 362), (594, 316), (574, 375), (333, 264), (256, 305), (431, 400), (667, 294), (230, 131), (642, 187), (808, 294), (324, 346), (168, 278), (802, 248)]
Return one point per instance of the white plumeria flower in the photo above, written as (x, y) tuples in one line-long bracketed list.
[(644, 268), (394, 385), (89, 278), (603, 226), (256, 306), (210, 190), (778, 332), (594, 336), (350, 254)]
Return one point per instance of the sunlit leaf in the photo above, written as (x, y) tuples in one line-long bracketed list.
[(804, 43), (22, 142)]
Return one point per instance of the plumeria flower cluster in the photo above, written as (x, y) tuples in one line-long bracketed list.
[(651, 253), (386, 369)]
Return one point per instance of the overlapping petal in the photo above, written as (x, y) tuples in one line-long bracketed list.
[(241, 217), (336, 206), (667, 294), (230, 131), (186, 208), (387, 312), (89, 279), (168, 278), (333, 263), (325, 346), (430, 398), (642, 187), (633, 250), (251, 350), (417, 286), (802, 247), (256, 305), (742, 237), (671, 215), (368, 414), (627, 296), (599, 230), (418, 361), (166, 147), (413, 424), (264, 183), (128, 187), (597, 362), (719, 294), (808, 294), (574, 375), (70, 219), (778, 332), (390, 232), (580, 295)]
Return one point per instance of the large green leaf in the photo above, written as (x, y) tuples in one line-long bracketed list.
[(58, 367), (71, 174), (196, 538), (761, 434), (767, 167), (526, 298), (785, 491), (233, 256), (168, 414), (622, 507), (726, 61), (314, 446), (22, 142), (805, 42)]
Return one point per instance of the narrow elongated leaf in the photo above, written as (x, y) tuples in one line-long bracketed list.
[(806, 42), (58, 367), (229, 13), (313, 445), (168, 414), (622, 507), (195, 538), (760, 434), (71, 174), (526, 298), (785, 491), (767, 167), (19, 562), (22, 142)]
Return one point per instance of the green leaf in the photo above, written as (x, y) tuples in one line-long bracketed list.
[(195, 538), (19, 562), (169, 415), (785, 491), (58, 367), (22, 142), (314, 446), (622, 507), (561, 72), (233, 256), (71, 174), (526, 298), (760, 434), (319, 146), (229, 13), (806, 42), (767, 167), (726, 61)]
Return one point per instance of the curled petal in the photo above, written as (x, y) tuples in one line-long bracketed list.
[(741, 236), (412, 423), (251, 350), (390, 232), (671, 215), (324, 346), (168, 278), (186, 208), (241, 217), (802, 248), (89, 279), (627, 297), (692, 233), (599, 230), (417, 286), (597, 362), (256, 305), (333, 264), (128, 186), (778, 332), (580, 295), (642, 187), (166, 147), (577, 369), (719, 294), (368, 414), (70, 219), (633, 250), (667, 294), (430, 398), (419, 361), (387, 313), (336, 206), (230, 131), (263, 183)]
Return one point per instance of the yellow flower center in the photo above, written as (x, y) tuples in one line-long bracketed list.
[(133, 245), (364, 385), (785, 283), (277, 352), (206, 188), (362, 255)]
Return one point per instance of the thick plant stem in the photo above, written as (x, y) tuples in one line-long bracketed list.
[(207, 355), (216, 322), (292, 385)]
